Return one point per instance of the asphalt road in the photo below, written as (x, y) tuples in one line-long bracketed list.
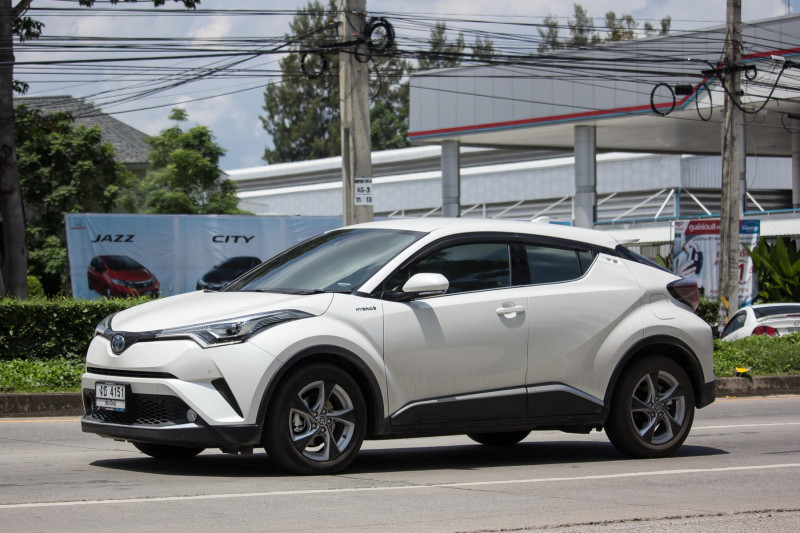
[(738, 470)]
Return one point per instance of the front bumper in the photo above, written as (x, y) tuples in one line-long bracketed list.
[(707, 394), (162, 419), (189, 434)]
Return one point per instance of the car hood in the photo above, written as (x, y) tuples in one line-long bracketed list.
[(201, 307)]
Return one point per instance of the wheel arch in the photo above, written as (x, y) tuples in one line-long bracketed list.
[(667, 346), (341, 358)]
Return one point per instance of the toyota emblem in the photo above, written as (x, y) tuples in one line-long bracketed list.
[(117, 343)]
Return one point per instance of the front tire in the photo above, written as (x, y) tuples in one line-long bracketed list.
[(503, 438), (652, 409), (316, 421), (166, 451)]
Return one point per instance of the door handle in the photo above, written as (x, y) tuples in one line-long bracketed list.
[(510, 311)]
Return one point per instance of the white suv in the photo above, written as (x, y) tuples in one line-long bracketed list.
[(409, 328)]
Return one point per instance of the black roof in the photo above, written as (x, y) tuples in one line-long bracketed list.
[(126, 140)]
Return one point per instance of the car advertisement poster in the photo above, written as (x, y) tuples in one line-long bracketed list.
[(696, 255), (125, 255)]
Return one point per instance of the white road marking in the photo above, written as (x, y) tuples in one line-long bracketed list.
[(396, 488), (747, 425)]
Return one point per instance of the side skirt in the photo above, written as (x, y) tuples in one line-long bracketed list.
[(545, 406)]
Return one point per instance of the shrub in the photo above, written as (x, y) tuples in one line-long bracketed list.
[(778, 268), (708, 310), (35, 289), (763, 355), (55, 375), (52, 329)]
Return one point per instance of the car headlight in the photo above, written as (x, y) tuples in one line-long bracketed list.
[(104, 327), (231, 331), (121, 282)]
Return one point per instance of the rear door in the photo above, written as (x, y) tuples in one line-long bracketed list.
[(576, 301)]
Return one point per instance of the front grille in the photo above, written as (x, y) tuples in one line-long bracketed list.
[(142, 284), (140, 409), (128, 373)]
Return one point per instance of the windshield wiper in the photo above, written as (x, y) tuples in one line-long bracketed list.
[(303, 292)]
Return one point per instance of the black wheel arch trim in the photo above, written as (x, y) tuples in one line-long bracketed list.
[(703, 391), (334, 355)]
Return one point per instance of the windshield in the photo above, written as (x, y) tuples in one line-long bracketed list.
[(239, 263), (121, 262), (789, 309), (340, 260)]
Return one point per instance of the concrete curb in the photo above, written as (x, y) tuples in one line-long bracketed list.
[(41, 404), (70, 403)]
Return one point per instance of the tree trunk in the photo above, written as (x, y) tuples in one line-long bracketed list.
[(15, 255)]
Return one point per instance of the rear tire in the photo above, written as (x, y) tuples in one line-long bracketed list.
[(502, 438), (652, 408), (316, 421), (166, 451)]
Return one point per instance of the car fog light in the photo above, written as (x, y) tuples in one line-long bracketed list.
[(191, 416)]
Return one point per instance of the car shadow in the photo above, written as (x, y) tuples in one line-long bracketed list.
[(400, 459)]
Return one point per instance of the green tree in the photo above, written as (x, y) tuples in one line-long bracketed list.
[(650, 30), (302, 112), (441, 52), (549, 35), (185, 176), (620, 29), (63, 169), (583, 33), (482, 49), (13, 22), (581, 29)]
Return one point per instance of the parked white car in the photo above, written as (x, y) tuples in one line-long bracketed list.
[(409, 328), (763, 319)]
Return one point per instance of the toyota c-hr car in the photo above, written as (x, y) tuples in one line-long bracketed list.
[(120, 275), (225, 272), (404, 328)]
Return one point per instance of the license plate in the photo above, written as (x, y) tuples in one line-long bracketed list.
[(109, 396)]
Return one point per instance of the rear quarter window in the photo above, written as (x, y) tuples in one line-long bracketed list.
[(550, 264)]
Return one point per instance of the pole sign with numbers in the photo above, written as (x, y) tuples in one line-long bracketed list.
[(363, 191)]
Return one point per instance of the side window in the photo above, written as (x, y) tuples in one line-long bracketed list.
[(468, 267), (548, 264), (586, 258), (735, 323)]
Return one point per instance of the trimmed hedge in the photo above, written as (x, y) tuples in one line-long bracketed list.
[(37, 329), (763, 355), (32, 375)]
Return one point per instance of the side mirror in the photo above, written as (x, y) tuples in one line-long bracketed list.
[(425, 284)]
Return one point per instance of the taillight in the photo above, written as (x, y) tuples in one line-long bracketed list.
[(685, 290), (764, 330)]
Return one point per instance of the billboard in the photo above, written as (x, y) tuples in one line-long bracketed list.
[(696, 255), (119, 254)]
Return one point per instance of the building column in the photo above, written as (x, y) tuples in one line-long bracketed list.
[(585, 176), (796, 164), (451, 179)]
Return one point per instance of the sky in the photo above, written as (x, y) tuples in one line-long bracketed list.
[(231, 105)]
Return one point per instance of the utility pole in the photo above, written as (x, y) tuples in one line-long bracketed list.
[(354, 111), (731, 160)]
